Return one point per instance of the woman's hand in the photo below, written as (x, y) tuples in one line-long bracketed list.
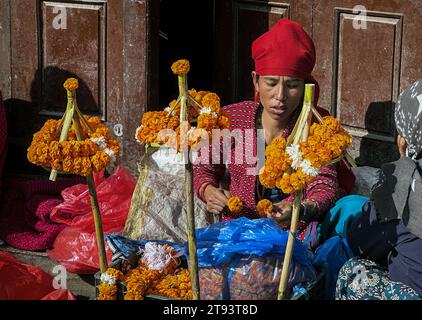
[(215, 198), (402, 145), (282, 213)]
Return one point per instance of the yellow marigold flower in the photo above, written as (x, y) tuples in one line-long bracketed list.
[(180, 67), (212, 101), (200, 95), (224, 122), (192, 92), (235, 204), (207, 121), (263, 207), (332, 123), (71, 84)]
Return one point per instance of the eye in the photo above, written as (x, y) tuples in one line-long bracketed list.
[(271, 83)]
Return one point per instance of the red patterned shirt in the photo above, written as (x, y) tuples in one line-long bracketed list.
[(324, 189)]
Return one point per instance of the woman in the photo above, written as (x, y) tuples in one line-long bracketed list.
[(389, 230), (284, 59)]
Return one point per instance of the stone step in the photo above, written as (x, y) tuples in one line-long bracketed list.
[(82, 286)]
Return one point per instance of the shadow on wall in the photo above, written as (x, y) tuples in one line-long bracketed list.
[(24, 119), (379, 120)]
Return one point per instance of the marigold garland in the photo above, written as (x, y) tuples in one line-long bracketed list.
[(235, 204), (166, 280), (107, 290), (176, 286), (290, 168), (71, 155), (206, 112)]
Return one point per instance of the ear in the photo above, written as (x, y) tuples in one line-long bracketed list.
[(256, 86), (255, 81)]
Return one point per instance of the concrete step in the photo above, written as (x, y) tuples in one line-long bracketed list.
[(82, 286)]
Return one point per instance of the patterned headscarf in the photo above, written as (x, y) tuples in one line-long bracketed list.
[(408, 117)]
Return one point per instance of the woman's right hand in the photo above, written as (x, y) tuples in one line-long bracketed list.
[(216, 198)]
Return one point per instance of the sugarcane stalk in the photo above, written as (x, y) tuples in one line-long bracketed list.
[(190, 214), (301, 135)]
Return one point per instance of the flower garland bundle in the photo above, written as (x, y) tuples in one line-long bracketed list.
[(177, 286), (157, 261), (73, 156), (289, 168), (108, 287), (203, 107), (138, 281)]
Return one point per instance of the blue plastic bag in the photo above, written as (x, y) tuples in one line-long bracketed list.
[(243, 259), (218, 243)]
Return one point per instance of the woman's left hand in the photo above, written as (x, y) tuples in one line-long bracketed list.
[(282, 213)]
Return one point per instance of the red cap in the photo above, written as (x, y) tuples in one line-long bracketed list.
[(286, 49)]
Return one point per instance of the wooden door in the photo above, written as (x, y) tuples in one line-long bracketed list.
[(366, 55), (105, 43)]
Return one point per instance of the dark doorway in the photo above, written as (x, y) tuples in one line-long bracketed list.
[(186, 32)]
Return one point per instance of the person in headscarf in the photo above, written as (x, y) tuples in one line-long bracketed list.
[(387, 236), (284, 59)]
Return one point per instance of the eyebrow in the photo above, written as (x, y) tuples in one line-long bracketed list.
[(270, 78)]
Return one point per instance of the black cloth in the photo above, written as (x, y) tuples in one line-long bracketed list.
[(390, 244)]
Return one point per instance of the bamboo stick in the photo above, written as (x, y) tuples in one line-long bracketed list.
[(97, 223), (68, 116), (289, 248), (194, 103), (94, 200), (301, 135), (190, 214), (190, 221)]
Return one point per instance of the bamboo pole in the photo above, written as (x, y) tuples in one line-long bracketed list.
[(190, 214), (99, 234), (300, 135), (68, 117)]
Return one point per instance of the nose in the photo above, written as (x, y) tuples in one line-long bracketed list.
[(281, 92)]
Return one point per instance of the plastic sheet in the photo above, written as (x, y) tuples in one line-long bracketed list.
[(157, 211), (76, 246), (20, 281), (242, 259)]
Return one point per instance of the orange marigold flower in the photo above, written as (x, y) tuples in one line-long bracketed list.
[(263, 207), (235, 204), (71, 84), (180, 67)]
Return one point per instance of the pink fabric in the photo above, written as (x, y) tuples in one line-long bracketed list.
[(25, 212), (324, 189)]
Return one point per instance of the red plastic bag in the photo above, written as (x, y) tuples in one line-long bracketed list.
[(20, 281), (77, 251), (114, 196), (76, 246)]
